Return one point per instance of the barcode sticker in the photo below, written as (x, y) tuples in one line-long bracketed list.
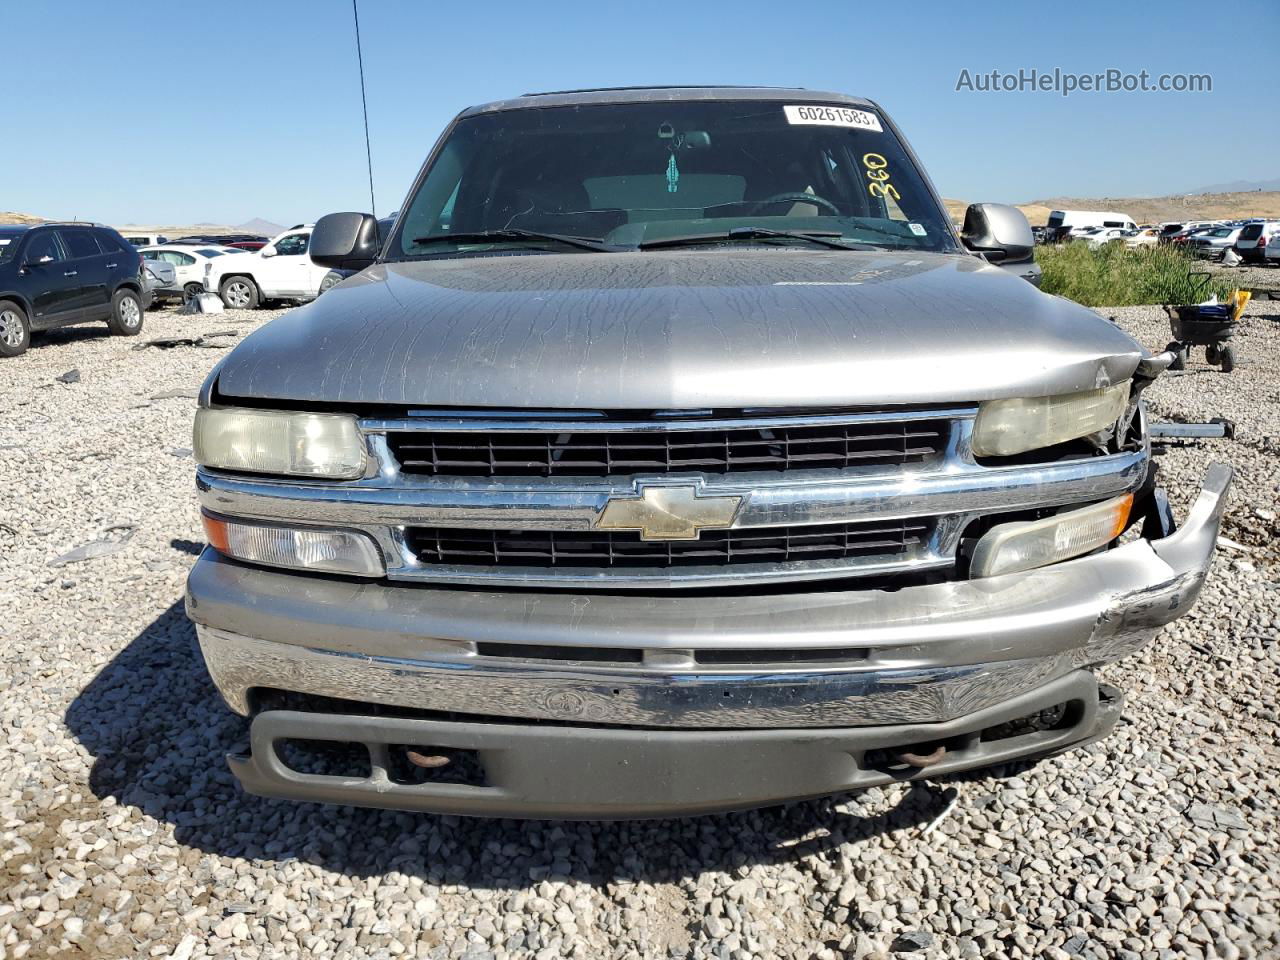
[(816, 114)]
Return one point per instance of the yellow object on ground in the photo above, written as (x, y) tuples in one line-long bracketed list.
[(1241, 299)]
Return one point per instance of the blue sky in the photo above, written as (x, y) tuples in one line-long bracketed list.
[(219, 112)]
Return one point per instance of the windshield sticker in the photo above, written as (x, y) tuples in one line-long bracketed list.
[(5, 241), (917, 229), (809, 114)]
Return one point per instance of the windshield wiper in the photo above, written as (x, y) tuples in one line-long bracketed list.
[(512, 233), (820, 237)]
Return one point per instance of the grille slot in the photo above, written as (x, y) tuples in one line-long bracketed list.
[(544, 453), (598, 548)]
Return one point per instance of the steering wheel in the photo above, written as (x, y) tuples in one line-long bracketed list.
[(793, 198)]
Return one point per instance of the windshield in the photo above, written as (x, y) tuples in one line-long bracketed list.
[(657, 174)]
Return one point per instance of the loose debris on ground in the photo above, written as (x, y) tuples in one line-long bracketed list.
[(122, 834)]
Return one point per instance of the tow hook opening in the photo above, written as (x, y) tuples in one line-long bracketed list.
[(919, 755), (416, 764), (906, 759)]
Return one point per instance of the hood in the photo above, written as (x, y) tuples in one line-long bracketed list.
[(690, 329)]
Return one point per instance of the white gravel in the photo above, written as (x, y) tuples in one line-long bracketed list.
[(122, 834)]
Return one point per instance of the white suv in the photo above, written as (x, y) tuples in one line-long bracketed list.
[(282, 270), (1272, 249)]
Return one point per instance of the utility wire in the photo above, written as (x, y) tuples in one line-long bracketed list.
[(368, 151)]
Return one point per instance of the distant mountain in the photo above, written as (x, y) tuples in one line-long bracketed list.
[(12, 217), (1239, 186), (264, 227)]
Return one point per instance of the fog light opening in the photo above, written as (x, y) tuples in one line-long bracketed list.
[(325, 758)]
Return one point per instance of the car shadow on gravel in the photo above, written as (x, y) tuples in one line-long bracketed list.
[(158, 733), (65, 335)]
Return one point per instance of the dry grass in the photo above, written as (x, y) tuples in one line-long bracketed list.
[(1112, 275)]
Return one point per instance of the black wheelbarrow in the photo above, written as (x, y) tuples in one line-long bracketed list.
[(1205, 325)]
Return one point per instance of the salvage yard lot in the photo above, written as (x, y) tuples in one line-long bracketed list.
[(123, 834)]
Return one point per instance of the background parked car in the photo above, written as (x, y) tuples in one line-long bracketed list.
[(190, 264), (1212, 244), (57, 274), (1271, 251), (1251, 245), (1068, 224), (1147, 237), (1099, 237), (219, 239), (146, 239), (282, 270), (157, 277)]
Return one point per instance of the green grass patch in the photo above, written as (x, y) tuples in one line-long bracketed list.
[(1115, 276)]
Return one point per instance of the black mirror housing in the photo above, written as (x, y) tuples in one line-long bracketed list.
[(344, 241), (998, 231)]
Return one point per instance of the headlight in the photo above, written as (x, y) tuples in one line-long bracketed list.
[(1006, 427), (266, 441), (1013, 547), (299, 548)]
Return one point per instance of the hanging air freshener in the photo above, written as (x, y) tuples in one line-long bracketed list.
[(673, 175)]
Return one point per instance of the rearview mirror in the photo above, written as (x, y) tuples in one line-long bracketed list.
[(268, 251), (998, 231), (344, 241)]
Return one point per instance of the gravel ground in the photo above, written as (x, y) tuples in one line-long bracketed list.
[(123, 834), (1248, 275)]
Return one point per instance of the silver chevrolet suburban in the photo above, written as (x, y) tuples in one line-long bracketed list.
[(674, 454)]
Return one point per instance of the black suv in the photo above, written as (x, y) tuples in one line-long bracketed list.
[(56, 274)]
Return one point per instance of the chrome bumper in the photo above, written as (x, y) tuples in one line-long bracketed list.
[(918, 655)]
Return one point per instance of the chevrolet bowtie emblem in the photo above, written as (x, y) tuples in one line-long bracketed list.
[(668, 513)]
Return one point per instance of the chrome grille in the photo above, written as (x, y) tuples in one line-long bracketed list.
[(609, 549), (722, 450)]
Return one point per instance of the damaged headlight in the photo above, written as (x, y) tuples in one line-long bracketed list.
[(1006, 427), (324, 445)]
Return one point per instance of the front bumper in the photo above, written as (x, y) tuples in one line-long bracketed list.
[(604, 773), (693, 671)]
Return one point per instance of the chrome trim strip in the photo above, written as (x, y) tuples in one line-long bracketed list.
[(739, 699), (543, 424), (958, 488)]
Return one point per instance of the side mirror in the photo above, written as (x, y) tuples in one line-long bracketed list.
[(1000, 232), (268, 251), (344, 241)]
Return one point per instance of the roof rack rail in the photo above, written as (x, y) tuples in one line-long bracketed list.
[(68, 223), (660, 86)]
